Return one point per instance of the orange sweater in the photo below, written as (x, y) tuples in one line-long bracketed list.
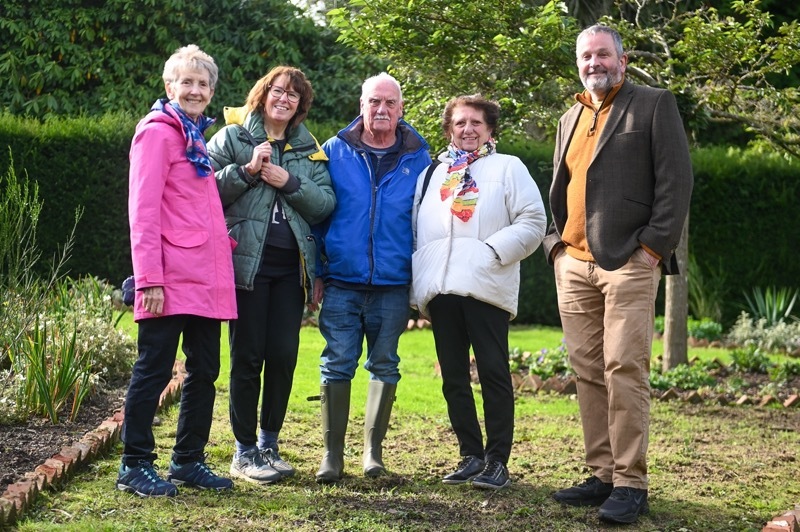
[(579, 155)]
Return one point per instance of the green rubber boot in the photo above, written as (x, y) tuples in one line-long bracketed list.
[(335, 402), (380, 398)]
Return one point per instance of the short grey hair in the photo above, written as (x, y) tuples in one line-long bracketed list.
[(190, 57), (600, 28), (383, 76)]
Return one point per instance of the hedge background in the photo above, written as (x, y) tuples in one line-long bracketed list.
[(744, 221)]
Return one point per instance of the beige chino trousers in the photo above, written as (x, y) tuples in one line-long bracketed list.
[(607, 317)]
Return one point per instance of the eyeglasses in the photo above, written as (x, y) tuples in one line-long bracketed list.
[(376, 102), (280, 91)]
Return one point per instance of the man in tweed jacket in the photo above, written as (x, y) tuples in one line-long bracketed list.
[(621, 189)]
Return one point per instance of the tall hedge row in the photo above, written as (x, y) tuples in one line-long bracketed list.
[(744, 221)]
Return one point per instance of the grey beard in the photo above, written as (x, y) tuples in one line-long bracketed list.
[(603, 84)]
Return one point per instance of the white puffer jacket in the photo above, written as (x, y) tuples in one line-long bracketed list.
[(455, 257)]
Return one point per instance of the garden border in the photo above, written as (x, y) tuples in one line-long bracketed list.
[(56, 471)]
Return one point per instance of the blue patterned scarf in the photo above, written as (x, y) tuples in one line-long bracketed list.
[(196, 151)]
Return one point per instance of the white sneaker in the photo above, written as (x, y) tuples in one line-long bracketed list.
[(251, 467), (271, 457)]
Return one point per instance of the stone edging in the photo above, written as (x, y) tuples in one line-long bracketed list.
[(58, 469)]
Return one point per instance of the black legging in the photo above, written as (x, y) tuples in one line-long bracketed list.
[(265, 339), (457, 323)]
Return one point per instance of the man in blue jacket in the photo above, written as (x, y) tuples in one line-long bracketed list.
[(365, 269)]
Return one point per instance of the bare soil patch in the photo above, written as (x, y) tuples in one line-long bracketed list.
[(26, 445)]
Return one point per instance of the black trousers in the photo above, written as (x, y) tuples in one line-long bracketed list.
[(458, 323), (158, 345), (265, 339)]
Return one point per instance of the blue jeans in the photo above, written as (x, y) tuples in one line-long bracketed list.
[(347, 316)]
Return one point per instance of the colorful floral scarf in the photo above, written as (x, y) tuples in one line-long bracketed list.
[(196, 151), (458, 177)]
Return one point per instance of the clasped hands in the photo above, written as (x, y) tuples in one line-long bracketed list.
[(261, 165)]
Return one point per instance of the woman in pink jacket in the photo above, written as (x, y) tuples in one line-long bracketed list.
[(184, 278)]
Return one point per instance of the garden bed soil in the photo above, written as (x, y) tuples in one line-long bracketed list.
[(24, 446)]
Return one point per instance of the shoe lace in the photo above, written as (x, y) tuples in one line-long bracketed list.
[(493, 468), (149, 471), (465, 462), (591, 481), (269, 456), (205, 471)]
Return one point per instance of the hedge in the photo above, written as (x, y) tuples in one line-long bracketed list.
[(744, 221)]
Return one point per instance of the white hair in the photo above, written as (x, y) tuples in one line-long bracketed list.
[(374, 80)]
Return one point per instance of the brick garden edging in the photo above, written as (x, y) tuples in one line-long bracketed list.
[(58, 469)]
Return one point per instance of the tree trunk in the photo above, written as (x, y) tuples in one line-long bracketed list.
[(676, 307)]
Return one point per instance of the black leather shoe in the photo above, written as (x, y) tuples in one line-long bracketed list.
[(624, 505), (469, 467), (591, 492), (493, 477)]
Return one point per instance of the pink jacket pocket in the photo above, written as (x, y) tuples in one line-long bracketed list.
[(183, 238)]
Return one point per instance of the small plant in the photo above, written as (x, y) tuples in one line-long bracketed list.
[(773, 304), (683, 376), (750, 359), (545, 363), (706, 290), (784, 371), (55, 371), (704, 329), (551, 362)]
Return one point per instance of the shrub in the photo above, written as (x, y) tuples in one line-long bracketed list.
[(750, 359), (782, 337), (683, 376), (784, 371), (704, 329)]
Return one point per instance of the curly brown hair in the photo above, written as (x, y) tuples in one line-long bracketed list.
[(490, 108), (297, 82)]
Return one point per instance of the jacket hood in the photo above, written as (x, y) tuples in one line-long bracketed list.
[(299, 138), (412, 140)]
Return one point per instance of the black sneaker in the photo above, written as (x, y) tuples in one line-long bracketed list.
[(493, 477), (624, 505), (144, 481), (197, 475), (591, 492), (469, 467)]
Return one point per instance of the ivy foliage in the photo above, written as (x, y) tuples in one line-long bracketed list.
[(71, 57)]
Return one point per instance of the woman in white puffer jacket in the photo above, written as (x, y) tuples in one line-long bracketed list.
[(479, 217)]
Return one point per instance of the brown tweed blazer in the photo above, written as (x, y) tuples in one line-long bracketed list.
[(638, 185)]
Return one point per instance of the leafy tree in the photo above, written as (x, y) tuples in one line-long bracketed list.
[(69, 57), (722, 68)]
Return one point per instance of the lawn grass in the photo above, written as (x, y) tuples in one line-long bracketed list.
[(711, 467)]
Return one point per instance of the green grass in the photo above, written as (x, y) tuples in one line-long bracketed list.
[(711, 468)]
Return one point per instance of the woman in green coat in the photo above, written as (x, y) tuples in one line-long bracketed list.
[(274, 185)]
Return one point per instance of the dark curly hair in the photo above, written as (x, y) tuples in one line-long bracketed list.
[(490, 108)]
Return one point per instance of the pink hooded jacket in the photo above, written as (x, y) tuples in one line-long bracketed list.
[(178, 235)]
